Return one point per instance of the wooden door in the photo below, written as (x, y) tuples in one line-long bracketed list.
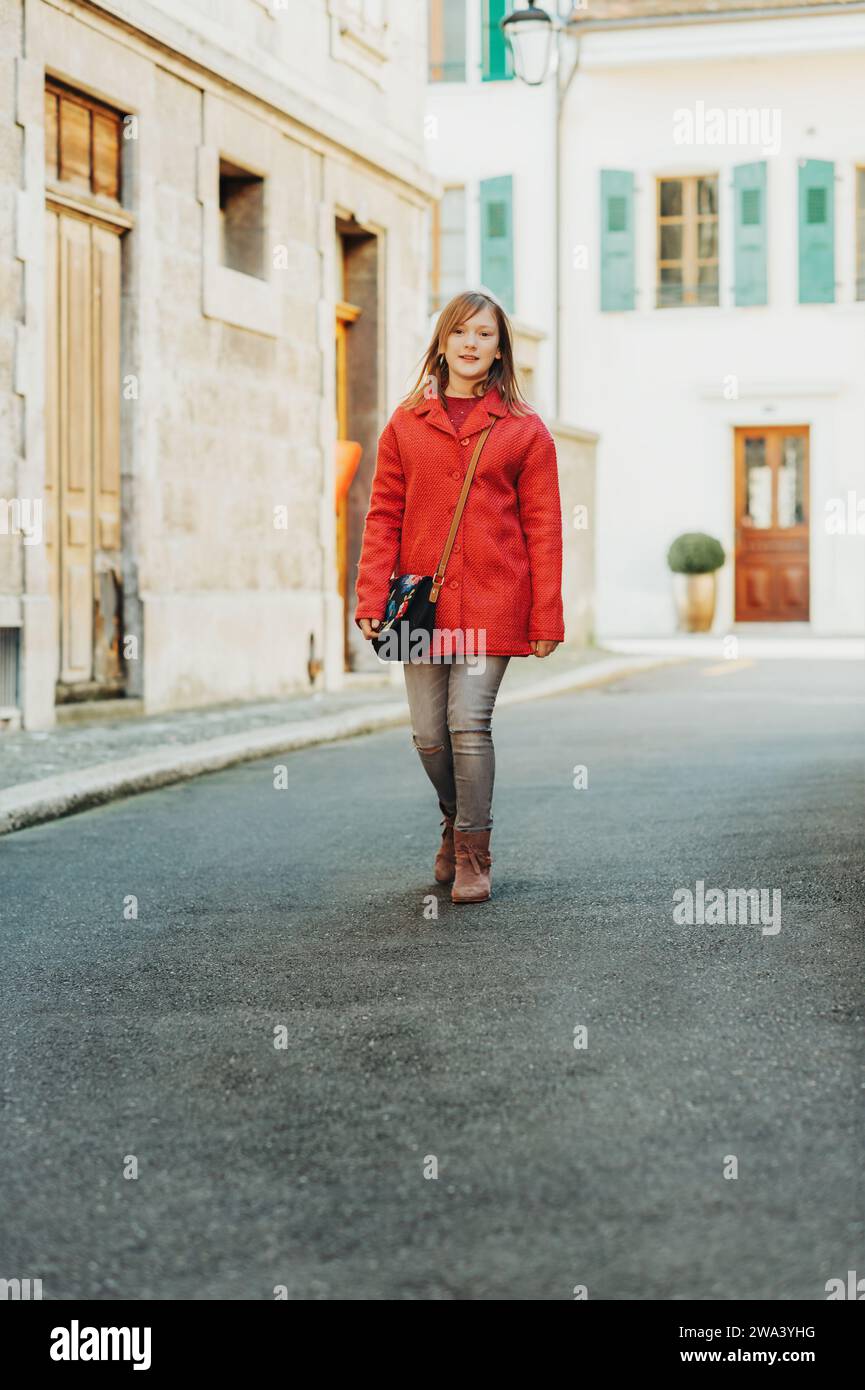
[(82, 406), (772, 524)]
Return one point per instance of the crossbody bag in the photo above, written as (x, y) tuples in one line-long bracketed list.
[(411, 602)]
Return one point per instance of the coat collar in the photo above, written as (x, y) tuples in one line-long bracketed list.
[(477, 419)]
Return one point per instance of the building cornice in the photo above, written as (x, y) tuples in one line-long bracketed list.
[(147, 27), (740, 34), (583, 21)]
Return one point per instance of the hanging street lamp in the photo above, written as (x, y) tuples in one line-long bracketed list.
[(530, 33)]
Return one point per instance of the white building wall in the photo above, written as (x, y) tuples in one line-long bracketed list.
[(651, 381), (478, 130)]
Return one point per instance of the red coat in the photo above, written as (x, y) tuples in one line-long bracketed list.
[(504, 574)]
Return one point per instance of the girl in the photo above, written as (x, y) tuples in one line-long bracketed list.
[(502, 592)]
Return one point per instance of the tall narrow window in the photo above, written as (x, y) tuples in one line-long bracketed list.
[(241, 220), (687, 241), (447, 41), (448, 251), (82, 142), (860, 232)]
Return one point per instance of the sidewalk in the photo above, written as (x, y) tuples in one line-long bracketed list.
[(762, 641), (54, 773)]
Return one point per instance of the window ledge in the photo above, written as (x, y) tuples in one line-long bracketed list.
[(770, 390), (363, 46), (729, 310), (241, 300)]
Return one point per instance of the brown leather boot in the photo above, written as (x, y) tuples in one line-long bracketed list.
[(445, 865), (473, 860)]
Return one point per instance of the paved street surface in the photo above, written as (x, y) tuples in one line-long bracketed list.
[(409, 1038), (31, 755)]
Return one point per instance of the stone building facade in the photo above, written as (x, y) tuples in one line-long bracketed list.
[(214, 227)]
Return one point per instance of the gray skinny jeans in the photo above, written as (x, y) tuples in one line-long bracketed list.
[(451, 707)]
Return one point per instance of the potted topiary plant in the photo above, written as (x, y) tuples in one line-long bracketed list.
[(694, 557)]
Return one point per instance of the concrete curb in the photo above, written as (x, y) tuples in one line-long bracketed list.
[(32, 803)]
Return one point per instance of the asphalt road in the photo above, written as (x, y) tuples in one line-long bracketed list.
[(149, 1040)]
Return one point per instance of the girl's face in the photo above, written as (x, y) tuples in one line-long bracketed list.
[(470, 350)]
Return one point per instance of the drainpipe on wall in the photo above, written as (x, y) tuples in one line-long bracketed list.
[(562, 89)]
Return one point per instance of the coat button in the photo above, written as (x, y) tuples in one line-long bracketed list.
[(454, 583), (457, 473), (465, 441), (455, 549)]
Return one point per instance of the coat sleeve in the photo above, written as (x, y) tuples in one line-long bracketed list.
[(382, 529), (541, 518)]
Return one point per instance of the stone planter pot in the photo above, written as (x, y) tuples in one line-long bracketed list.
[(695, 601)]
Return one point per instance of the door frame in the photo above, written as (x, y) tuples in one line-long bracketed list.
[(799, 532), (89, 199), (346, 315)]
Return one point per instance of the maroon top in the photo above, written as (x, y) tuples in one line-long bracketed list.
[(459, 408)]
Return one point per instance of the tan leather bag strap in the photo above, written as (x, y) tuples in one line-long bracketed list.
[(438, 577)]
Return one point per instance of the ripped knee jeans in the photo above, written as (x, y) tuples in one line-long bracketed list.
[(451, 707)]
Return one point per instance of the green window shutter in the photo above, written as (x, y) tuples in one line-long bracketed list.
[(498, 63), (617, 239), (497, 238), (816, 231), (749, 193)]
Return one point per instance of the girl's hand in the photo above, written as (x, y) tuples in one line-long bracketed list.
[(543, 648), (368, 627)]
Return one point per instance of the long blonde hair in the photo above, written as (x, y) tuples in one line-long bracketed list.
[(434, 374)]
